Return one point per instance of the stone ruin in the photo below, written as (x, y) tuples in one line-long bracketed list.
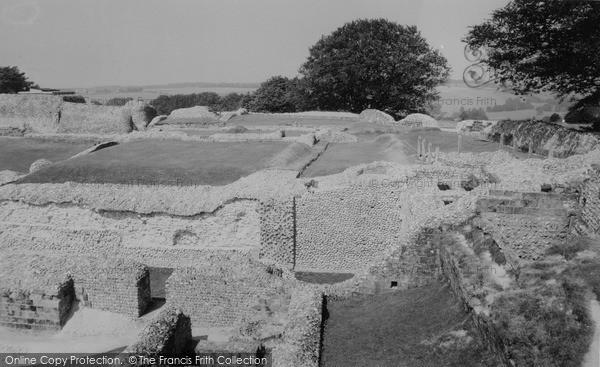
[(233, 250)]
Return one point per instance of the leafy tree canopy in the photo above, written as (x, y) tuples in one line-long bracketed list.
[(13, 81), (546, 45), (373, 63), (279, 94)]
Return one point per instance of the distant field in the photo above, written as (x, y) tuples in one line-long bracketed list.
[(455, 97), (164, 162), (19, 153), (152, 94)]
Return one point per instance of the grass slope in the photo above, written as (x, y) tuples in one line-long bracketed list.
[(17, 154), (417, 327), (164, 162)]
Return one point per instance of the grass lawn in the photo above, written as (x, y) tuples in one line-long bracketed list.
[(409, 328), (447, 141), (17, 154), (164, 162), (340, 156)]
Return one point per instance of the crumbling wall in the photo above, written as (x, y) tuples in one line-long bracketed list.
[(116, 285), (226, 296), (543, 137), (169, 334), (154, 239), (414, 263), (30, 113), (302, 334), (346, 229), (526, 224), (278, 231), (47, 114), (590, 201), (77, 118), (36, 309), (376, 117), (454, 274)]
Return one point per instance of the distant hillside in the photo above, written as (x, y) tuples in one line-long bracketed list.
[(186, 85)]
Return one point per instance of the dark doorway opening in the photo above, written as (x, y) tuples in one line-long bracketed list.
[(158, 281)]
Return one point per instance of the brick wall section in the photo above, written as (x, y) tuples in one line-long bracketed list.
[(590, 200), (120, 286), (346, 229), (115, 285), (224, 298), (36, 309), (277, 231), (525, 225)]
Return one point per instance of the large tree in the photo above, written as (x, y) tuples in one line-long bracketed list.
[(542, 45), (279, 94), (374, 63), (13, 81)]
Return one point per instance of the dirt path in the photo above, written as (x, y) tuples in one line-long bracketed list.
[(87, 331)]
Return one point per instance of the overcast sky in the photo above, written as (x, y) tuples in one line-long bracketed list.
[(85, 43)]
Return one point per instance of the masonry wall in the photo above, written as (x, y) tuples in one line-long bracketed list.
[(168, 334), (277, 231), (543, 136), (36, 309), (414, 263), (225, 298), (453, 274), (50, 114), (302, 334), (153, 239), (116, 285), (346, 229), (590, 201), (526, 225)]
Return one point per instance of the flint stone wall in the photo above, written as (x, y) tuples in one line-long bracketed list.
[(156, 240), (419, 120), (525, 225), (77, 118), (225, 297), (302, 334), (50, 115), (376, 117), (463, 291), (40, 114), (169, 334), (346, 229), (543, 137), (414, 263), (277, 231), (590, 201)]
